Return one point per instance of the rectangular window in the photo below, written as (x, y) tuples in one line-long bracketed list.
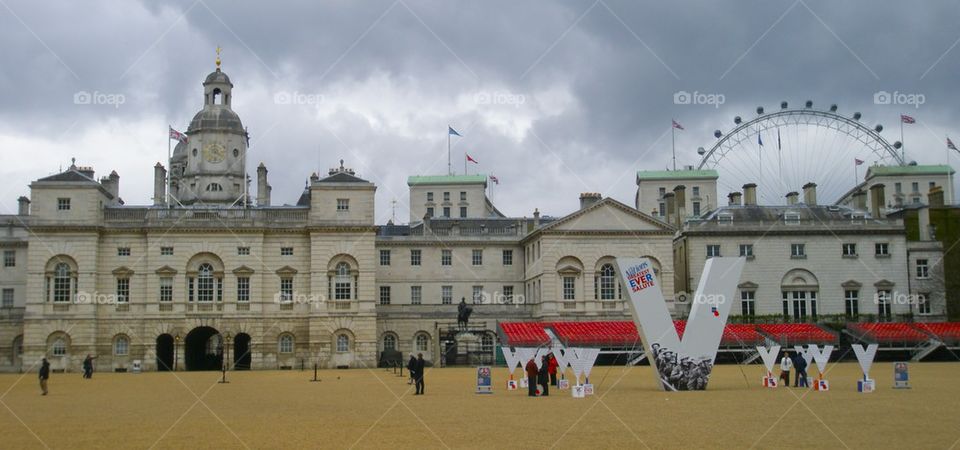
[(384, 295), (430, 212), (849, 249), (791, 219), (415, 257), (384, 257), (663, 209), (898, 187), (851, 300), (9, 258), (286, 289), (429, 196), (923, 269), (243, 251), (286, 251), (166, 289), (569, 288), (883, 306), (446, 295), (746, 250), (915, 187), (123, 251), (696, 209), (713, 250), (343, 204), (508, 257), (123, 290), (446, 196), (696, 191), (463, 212), (463, 196), (798, 250), (477, 257), (661, 191), (166, 251), (923, 303), (477, 294), (882, 248), (243, 289), (508, 294), (446, 257), (416, 295), (446, 211), (7, 298), (63, 204), (748, 305)]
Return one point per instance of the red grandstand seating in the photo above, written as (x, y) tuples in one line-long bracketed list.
[(610, 333), (888, 332), (680, 325), (947, 332), (741, 335), (797, 333), (525, 333)]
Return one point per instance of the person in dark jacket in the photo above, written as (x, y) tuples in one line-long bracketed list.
[(552, 368), (544, 378), (532, 373), (801, 365), (44, 375), (88, 366), (411, 368), (419, 373)]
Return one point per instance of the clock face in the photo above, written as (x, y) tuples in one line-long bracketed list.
[(214, 153)]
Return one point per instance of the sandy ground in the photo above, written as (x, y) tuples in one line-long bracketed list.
[(376, 409)]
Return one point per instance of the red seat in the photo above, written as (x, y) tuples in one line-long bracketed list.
[(947, 332), (607, 333), (888, 332), (525, 333), (797, 333), (741, 335)]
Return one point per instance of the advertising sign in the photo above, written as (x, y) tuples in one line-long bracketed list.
[(484, 382), (901, 375), (686, 364)]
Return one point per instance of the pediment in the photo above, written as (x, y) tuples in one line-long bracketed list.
[(243, 270), (166, 271), (286, 271), (122, 271), (609, 215)]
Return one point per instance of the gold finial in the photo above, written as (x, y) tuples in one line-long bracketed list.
[(218, 57)]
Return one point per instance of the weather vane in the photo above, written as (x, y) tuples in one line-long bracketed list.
[(218, 57)]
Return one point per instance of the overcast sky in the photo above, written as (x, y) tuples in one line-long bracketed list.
[(554, 98)]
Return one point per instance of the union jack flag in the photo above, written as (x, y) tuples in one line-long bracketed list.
[(176, 135), (907, 119)]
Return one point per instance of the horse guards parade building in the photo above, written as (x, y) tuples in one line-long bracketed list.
[(209, 272)]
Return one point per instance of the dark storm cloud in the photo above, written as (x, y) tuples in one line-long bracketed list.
[(597, 81)]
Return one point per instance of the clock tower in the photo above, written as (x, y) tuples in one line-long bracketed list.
[(214, 170)]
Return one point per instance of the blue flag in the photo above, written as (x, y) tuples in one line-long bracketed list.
[(759, 139), (452, 132)]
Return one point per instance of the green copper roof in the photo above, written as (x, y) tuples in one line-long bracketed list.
[(675, 174), (446, 179), (934, 169)]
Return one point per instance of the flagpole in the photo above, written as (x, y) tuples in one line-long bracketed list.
[(169, 167), (673, 143), (449, 169), (903, 147)]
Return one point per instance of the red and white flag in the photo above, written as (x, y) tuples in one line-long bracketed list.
[(857, 162), (907, 119), (494, 179), (176, 135), (677, 125), (471, 159), (950, 145)]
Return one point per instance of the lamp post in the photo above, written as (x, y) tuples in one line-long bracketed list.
[(224, 355), (176, 347)]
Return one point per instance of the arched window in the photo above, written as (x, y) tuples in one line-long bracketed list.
[(214, 187), (61, 283), (608, 282), (59, 347), (343, 282), (205, 283), (286, 344), (121, 346), (389, 342), (421, 342), (343, 343)]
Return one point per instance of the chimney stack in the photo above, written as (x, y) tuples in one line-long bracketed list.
[(877, 200), (671, 202), (111, 183), (810, 193), (935, 197), (589, 198), (159, 185), (792, 197), (680, 205), (750, 194), (536, 218), (23, 206), (734, 198), (860, 200), (263, 188)]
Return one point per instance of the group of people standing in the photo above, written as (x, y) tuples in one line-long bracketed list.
[(44, 372), (790, 361), (416, 367), (545, 375)]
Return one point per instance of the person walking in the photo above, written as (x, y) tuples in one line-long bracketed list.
[(44, 375), (532, 373), (786, 363), (800, 364), (544, 378), (552, 368), (88, 366), (411, 368), (420, 365)]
